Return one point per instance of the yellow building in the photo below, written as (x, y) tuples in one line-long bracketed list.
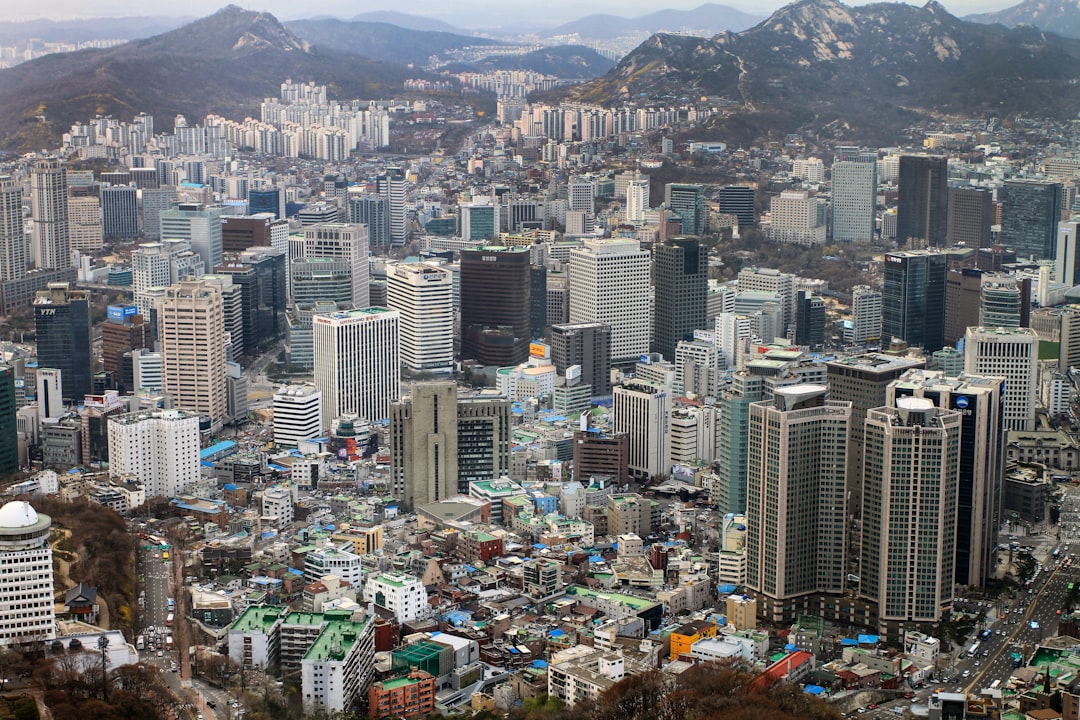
[(688, 634)]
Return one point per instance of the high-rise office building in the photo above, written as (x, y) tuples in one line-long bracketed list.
[(1067, 256), (581, 195), (642, 410), (982, 458), (357, 366), (1030, 212), (495, 303), (913, 301), (854, 197), (297, 414), (191, 336), (1012, 353), (153, 202), (910, 482), (923, 206), (688, 202), (373, 211), (479, 219), (50, 395), (62, 322), (124, 330), (271, 200), (240, 232), (770, 280), (393, 186), (637, 199), (199, 225), (810, 320), (86, 232), (738, 200), (609, 283), (159, 447), (797, 217), (680, 278), (260, 273), (587, 345), (27, 604), (971, 213), (49, 209), (12, 232), (120, 211), (865, 314), (9, 430), (342, 241), (795, 514), (1005, 301), (422, 293), (160, 264)]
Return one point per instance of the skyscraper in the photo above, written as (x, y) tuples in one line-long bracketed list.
[(153, 202), (688, 202), (642, 410), (120, 211), (1005, 301), (85, 230), (923, 206), (913, 301), (854, 196), (910, 481), (62, 322), (393, 186), (1030, 212), (971, 213), (495, 302), (49, 209), (191, 335), (342, 241), (260, 273), (797, 217), (267, 201), (356, 363), (160, 264), (124, 330), (797, 481), (1012, 353), (9, 431), (373, 211), (423, 295), (200, 226), (587, 345), (637, 199), (738, 200), (810, 320), (609, 283), (12, 233), (479, 219), (27, 607), (680, 277), (865, 314)]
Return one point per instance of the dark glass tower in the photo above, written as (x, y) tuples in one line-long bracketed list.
[(923, 208), (1030, 211), (495, 291), (680, 276), (913, 301), (62, 321), (9, 436)]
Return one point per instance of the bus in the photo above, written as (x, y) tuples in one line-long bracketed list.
[(995, 685), (169, 620), (974, 649)]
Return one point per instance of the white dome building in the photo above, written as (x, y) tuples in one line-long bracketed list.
[(27, 612)]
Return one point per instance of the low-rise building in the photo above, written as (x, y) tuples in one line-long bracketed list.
[(413, 694)]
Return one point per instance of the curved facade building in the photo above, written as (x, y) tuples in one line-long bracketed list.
[(26, 576)]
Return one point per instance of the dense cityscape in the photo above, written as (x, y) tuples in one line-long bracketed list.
[(481, 398)]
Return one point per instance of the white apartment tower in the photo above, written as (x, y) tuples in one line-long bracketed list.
[(342, 241), (357, 367), (49, 209), (609, 283), (159, 447), (1012, 353), (27, 612), (423, 295), (12, 232), (297, 414), (191, 336), (637, 199), (642, 410)]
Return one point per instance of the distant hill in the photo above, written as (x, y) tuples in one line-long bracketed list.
[(564, 61), (1056, 16), (73, 31), (409, 22), (224, 63), (704, 20), (856, 73), (381, 41)]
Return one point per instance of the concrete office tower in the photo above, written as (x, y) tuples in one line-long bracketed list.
[(342, 241), (85, 231), (158, 265), (810, 321), (688, 202), (971, 213), (581, 196), (795, 500), (12, 232), (153, 202), (1067, 257), (495, 303), (159, 447), (27, 608), (392, 185), (587, 345), (865, 314), (479, 219), (732, 332), (240, 232), (637, 200), (1003, 302), (923, 206), (124, 330), (982, 458), (62, 323), (374, 212), (423, 295), (913, 301), (439, 443), (738, 200), (297, 414), (609, 283), (1069, 353), (49, 209), (769, 280), (680, 278), (854, 197), (910, 481), (797, 218), (1030, 212), (357, 369), (642, 410), (199, 225), (50, 394), (1012, 353), (191, 337), (120, 211)]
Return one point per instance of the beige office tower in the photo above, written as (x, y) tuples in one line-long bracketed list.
[(910, 479), (191, 333), (85, 231), (795, 517), (49, 209), (1012, 353), (12, 234), (423, 293)]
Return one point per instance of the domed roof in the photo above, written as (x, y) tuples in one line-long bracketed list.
[(17, 514)]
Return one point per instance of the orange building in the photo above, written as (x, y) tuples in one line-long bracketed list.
[(413, 694), (688, 634)]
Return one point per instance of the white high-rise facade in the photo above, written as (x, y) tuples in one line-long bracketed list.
[(357, 369), (732, 332), (865, 314), (160, 264), (49, 209), (854, 201), (342, 241), (50, 394), (191, 335), (159, 447), (297, 414), (1012, 353), (12, 232), (27, 610), (637, 200), (754, 279), (609, 283), (200, 226), (423, 294), (796, 219), (642, 410)]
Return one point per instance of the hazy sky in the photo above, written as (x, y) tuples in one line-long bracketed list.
[(463, 13)]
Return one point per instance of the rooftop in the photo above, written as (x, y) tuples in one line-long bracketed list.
[(259, 617)]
